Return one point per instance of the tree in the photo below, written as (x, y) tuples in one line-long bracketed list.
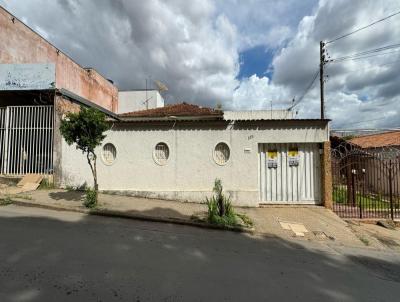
[(86, 129)]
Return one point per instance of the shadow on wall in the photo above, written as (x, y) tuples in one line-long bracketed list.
[(88, 258)]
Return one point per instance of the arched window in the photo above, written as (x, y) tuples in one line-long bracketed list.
[(161, 153), (109, 154), (221, 154)]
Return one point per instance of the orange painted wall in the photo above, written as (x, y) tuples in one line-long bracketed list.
[(20, 45)]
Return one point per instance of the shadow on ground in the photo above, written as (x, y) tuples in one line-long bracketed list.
[(159, 212), (74, 257), (67, 195)]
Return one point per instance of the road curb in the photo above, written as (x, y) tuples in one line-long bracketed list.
[(118, 214)]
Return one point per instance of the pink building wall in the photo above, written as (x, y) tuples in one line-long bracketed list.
[(21, 45)]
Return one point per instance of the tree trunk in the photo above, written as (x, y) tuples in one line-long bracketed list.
[(96, 186), (93, 168)]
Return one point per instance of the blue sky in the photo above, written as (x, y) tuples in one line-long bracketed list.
[(256, 60)]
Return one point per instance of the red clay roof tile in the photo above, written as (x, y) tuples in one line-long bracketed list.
[(182, 109), (378, 140)]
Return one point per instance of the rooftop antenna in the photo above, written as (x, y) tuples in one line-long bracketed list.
[(161, 87), (147, 98), (271, 109)]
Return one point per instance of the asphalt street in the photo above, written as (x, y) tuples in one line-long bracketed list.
[(61, 256)]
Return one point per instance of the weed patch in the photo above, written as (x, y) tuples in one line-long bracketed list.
[(90, 200), (4, 201), (46, 185)]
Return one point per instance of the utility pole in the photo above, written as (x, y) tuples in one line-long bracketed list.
[(321, 76)]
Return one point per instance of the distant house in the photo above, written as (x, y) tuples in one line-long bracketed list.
[(376, 141), (386, 148)]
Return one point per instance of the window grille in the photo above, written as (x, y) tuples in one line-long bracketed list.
[(221, 153), (161, 153), (109, 154)]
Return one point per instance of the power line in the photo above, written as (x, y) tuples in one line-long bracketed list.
[(364, 54), (365, 121), (362, 28), (308, 88), (364, 57), (374, 67)]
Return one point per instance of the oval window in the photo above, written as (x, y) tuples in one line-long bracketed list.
[(109, 154), (221, 153), (161, 153)]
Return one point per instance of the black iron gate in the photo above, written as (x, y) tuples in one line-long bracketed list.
[(366, 182)]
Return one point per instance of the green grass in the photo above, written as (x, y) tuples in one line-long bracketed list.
[(366, 200), (364, 240), (246, 219), (46, 185), (4, 201)]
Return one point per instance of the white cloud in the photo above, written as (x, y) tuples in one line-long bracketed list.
[(359, 93), (195, 50), (258, 93), (191, 48)]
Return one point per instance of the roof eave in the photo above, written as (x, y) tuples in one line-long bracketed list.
[(82, 101), (169, 118)]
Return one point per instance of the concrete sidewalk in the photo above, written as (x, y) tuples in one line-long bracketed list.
[(322, 224)]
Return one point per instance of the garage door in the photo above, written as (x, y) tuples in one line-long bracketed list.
[(290, 173)]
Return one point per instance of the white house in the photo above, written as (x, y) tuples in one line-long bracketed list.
[(177, 151)]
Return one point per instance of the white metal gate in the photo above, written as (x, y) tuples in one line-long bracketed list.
[(290, 173), (26, 140)]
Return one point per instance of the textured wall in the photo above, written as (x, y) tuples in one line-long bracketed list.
[(23, 46), (327, 176), (191, 170)]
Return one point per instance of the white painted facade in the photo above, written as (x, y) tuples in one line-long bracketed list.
[(135, 100), (190, 170)]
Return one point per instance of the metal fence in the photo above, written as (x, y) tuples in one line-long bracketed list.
[(26, 140), (366, 182)]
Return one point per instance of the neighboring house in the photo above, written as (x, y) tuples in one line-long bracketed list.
[(386, 140), (38, 85), (171, 152), (385, 147)]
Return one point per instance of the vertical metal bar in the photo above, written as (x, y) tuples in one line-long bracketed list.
[(20, 154), (10, 135), (29, 141), (391, 190), (39, 141), (45, 153), (6, 135), (52, 123), (22, 144), (2, 128), (353, 187), (44, 160), (34, 141)]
